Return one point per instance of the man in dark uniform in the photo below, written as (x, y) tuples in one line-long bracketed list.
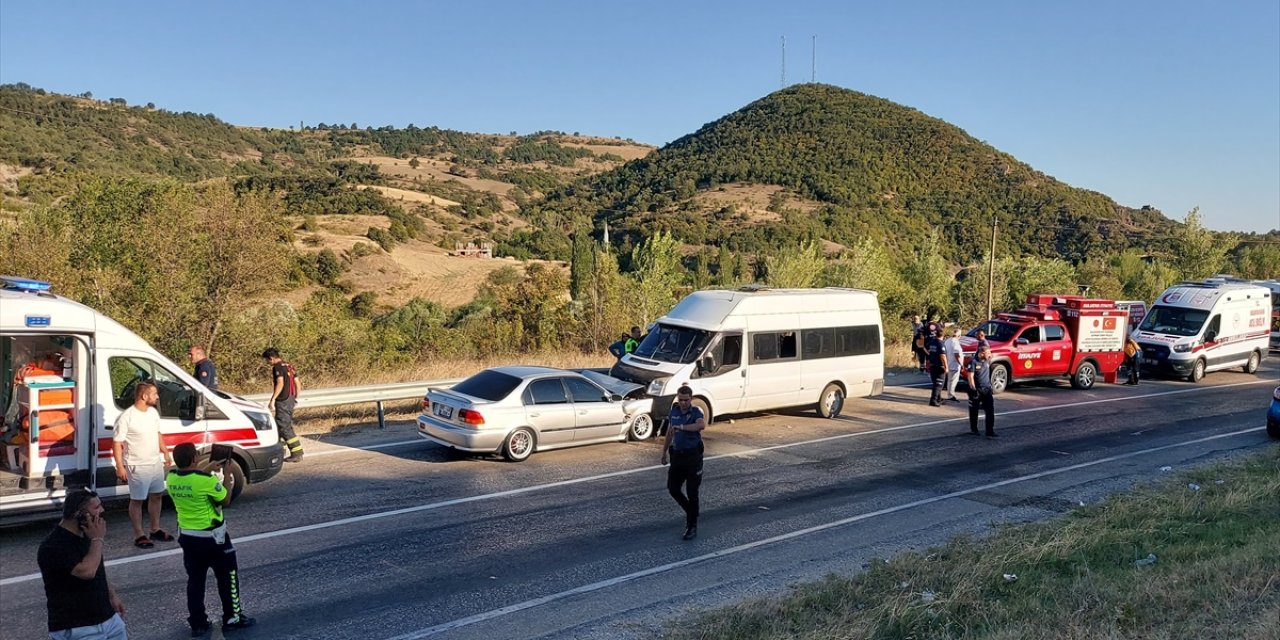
[(683, 448), (284, 397), (978, 373), (936, 358), (198, 497), (206, 374)]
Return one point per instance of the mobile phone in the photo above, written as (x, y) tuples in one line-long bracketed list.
[(220, 453)]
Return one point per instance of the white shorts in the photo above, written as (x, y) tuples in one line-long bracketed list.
[(145, 480)]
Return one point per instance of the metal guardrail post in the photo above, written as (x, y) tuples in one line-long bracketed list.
[(382, 417)]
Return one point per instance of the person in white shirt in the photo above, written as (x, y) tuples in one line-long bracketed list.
[(141, 458), (955, 358)]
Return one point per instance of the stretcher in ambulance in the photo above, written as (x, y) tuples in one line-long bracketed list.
[(68, 372)]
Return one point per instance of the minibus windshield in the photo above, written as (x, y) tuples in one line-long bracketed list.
[(1174, 321), (668, 343)]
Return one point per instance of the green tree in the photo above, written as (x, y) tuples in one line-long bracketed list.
[(1258, 262), (1199, 252), (929, 278), (657, 275), (799, 268), (724, 267)]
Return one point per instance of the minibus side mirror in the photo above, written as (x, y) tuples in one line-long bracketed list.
[(707, 364)]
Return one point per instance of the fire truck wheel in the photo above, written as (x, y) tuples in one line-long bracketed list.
[(1197, 372), (999, 377), (1252, 365), (1085, 376)]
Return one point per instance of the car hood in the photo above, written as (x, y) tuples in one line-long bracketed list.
[(610, 383)]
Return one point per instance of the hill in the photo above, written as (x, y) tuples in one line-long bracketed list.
[(840, 165)]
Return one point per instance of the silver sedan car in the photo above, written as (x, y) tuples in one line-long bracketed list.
[(518, 410)]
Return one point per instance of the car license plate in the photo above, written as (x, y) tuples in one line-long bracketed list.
[(444, 410)]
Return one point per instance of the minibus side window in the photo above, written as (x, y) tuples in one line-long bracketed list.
[(726, 355), (767, 347), (177, 400)]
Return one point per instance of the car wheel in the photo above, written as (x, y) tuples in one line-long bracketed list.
[(999, 378), (1252, 365), (1085, 376), (1197, 371), (234, 469), (706, 410), (831, 401), (519, 445), (641, 428)]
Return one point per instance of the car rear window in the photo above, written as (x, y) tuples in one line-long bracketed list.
[(488, 385)]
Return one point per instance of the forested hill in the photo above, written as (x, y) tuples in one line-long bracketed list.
[(851, 165)]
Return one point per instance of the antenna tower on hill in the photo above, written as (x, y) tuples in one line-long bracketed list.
[(813, 64)]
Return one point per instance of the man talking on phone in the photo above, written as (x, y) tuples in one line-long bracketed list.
[(80, 601), (198, 497)]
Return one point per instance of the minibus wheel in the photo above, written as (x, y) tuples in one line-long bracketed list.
[(831, 401), (706, 410)]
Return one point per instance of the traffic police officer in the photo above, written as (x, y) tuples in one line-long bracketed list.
[(198, 496), (683, 447)]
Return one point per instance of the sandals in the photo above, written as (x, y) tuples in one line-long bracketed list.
[(143, 542), (160, 535)]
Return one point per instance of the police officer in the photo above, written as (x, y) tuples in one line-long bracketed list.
[(683, 448), (978, 373), (198, 496), (632, 341), (935, 355)]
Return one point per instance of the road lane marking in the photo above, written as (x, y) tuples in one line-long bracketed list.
[(613, 582), (605, 476)]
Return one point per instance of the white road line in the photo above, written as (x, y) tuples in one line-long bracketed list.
[(604, 476), (613, 582)]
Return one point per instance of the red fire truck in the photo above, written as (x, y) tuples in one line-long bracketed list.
[(1054, 337)]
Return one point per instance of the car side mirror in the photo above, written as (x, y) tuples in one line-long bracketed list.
[(613, 397), (1022, 341)]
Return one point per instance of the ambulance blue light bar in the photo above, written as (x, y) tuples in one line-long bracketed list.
[(25, 284)]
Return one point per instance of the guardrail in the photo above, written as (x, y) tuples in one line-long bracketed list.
[(379, 393)]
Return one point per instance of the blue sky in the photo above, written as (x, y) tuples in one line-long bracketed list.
[(1174, 104)]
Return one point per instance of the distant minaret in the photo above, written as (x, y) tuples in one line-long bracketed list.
[(606, 233), (813, 64)]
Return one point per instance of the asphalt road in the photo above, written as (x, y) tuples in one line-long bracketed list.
[(380, 535)]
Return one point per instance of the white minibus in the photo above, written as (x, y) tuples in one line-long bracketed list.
[(754, 349)]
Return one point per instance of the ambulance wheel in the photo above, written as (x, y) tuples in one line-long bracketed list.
[(236, 472), (1085, 376), (1252, 365), (831, 401), (519, 445), (702, 406), (641, 428), (999, 378), (1197, 371)]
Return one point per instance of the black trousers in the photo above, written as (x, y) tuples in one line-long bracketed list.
[(686, 471), (937, 377), (198, 556), (1134, 363), (982, 399), (284, 423)]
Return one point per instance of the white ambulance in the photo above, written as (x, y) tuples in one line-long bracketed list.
[(754, 349), (1197, 327), (68, 371)]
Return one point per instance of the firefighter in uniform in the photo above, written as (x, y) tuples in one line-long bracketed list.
[(284, 397), (198, 497), (978, 373)]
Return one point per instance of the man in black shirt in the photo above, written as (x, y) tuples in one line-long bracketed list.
[(81, 603), (936, 358), (206, 374), (284, 397)]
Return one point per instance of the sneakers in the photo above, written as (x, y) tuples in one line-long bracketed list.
[(238, 622), (200, 630), (690, 533), (934, 403), (954, 399)]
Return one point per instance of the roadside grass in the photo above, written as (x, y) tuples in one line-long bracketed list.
[(1216, 575)]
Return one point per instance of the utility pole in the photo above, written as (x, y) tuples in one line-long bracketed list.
[(784, 62), (991, 270), (813, 63)]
